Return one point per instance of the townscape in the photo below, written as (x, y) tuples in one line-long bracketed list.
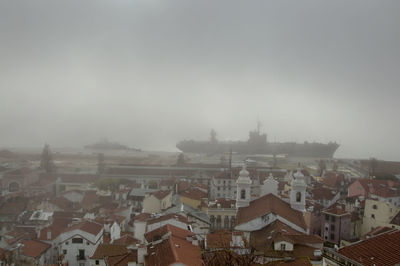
[(192, 209), (124, 133)]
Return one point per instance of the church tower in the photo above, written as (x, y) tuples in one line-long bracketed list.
[(243, 188), (270, 185), (298, 192)]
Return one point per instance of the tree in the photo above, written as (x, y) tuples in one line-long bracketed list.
[(46, 162)]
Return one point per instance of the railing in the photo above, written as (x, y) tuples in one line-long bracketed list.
[(79, 257)]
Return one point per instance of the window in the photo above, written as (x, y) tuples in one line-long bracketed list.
[(327, 217), (332, 227), (77, 240), (243, 194), (64, 251), (81, 255), (97, 262), (374, 207), (219, 222), (66, 243), (226, 222), (218, 188), (332, 236), (283, 246), (373, 216), (333, 218), (212, 221), (298, 196), (232, 221)]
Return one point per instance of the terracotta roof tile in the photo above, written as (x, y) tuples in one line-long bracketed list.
[(380, 250), (270, 204), (160, 194), (167, 217), (194, 193), (86, 226), (168, 228), (107, 250), (34, 248), (174, 250)]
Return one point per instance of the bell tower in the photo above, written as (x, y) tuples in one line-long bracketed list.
[(243, 188), (298, 192)]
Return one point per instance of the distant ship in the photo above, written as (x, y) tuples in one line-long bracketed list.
[(257, 144), (107, 145)]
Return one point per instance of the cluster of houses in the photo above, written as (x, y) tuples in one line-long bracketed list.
[(197, 215)]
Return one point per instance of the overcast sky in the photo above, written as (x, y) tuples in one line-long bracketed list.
[(150, 73)]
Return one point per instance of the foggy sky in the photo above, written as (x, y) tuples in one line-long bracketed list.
[(150, 73)]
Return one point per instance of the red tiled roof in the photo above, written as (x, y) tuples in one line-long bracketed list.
[(224, 203), (168, 228), (222, 239), (194, 193), (174, 250), (34, 248), (321, 193), (267, 204), (86, 226), (160, 194), (126, 240), (90, 198), (107, 250), (380, 250), (336, 209), (333, 180), (167, 217), (122, 260)]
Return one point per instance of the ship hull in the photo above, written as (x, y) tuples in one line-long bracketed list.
[(289, 148)]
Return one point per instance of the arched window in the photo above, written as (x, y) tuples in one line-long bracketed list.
[(212, 222), (232, 222), (219, 222), (226, 222), (243, 194), (13, 187), (298, 196)]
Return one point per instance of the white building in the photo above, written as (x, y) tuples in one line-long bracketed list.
[(77, 244)]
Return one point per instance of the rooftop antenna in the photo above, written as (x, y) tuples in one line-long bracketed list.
[(230, 161), (258, 124)]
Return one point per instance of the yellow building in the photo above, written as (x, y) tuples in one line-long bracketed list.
[(378, 213)]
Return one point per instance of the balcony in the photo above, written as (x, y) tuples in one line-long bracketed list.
[(80, 257)]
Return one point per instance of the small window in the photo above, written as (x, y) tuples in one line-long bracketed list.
[(283, 246), (373, 216), (66, 243), (243, 194), (64, 251), (374, 207), (97, 262), (77, 240)]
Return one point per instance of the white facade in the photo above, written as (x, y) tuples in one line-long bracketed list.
[(270, 185), (298, 192), (78, 246), (243, 184)]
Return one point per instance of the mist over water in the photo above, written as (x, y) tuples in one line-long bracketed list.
[(150, 73)]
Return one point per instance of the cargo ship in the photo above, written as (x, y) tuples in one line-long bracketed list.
[(257, 144)]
